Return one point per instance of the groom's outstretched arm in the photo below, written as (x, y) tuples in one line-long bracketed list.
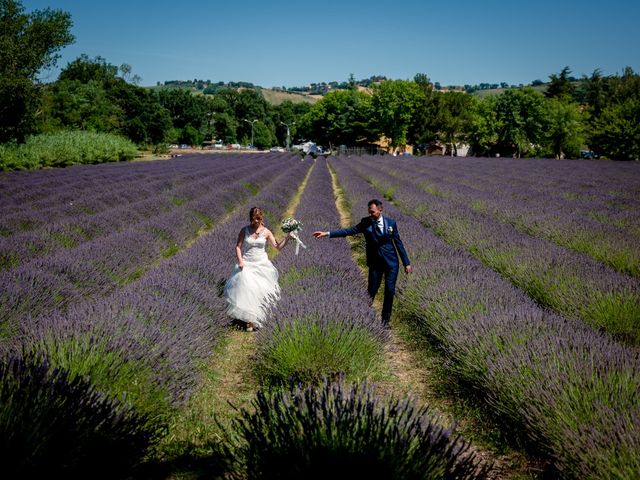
[(343, 232)]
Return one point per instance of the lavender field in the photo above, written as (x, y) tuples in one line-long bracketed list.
[(526, 281)]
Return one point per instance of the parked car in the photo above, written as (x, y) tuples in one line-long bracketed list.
[(276, 149), (588, 154)]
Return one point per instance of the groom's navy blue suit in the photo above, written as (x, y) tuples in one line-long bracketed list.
[(382, 250)]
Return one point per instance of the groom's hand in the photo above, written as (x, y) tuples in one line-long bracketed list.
[(408, 269), (320, 234)]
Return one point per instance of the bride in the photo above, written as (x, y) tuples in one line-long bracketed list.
[(253, 285)]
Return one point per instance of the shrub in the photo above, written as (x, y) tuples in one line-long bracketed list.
[(309, 349), (346, 432), (65, 148), (52, 425)]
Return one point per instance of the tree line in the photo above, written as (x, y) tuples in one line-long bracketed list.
[(597, 113)]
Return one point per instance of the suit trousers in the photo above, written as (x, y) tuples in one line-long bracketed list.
[(390, 275)]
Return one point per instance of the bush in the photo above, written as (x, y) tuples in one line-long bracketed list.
[(62, 149), (54, 426), (307, 350), (341, 432)]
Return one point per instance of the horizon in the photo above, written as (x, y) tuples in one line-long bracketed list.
[(286, 44)]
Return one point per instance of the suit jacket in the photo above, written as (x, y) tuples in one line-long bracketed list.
[(382, 248)]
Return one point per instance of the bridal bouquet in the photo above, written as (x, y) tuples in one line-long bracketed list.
[(291, 226)]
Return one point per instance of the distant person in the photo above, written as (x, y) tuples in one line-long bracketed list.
[(253, 285), (383, 245)]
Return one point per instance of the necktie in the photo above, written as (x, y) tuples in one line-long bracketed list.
[(379, 225)]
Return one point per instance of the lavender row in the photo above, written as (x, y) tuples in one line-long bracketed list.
[(570, 283), (599, 181), (608, 192), (590, 227), (99, 267), (40, 189), (78, 225), (612, 205), (323, 295), (167, 322), (96, 196), (572, 392)]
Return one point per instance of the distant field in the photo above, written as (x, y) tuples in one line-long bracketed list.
[(272, 96), (498, 91), (276, 98)]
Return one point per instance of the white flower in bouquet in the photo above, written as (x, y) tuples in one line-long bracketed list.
[(291, 226)]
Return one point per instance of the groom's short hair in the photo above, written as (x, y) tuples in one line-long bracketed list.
[(375, 202)]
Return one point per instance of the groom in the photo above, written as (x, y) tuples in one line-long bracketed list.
[(383, 245)]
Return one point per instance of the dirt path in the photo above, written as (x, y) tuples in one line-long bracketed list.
[(228, 385), (418, 374)]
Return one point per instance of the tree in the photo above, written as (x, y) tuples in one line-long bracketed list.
[(287, 112), (185, 108), (593, 92), (454, 118), (565, 128), (263, 137), (28, 44), (83, 106), (616, 132), (342, 117), (520, 117), (224, 126), (613, 107), (127, 109), (424, 129), (394, 103), (561, 86), (483, 131)]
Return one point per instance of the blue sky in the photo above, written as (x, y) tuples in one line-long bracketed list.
[(285, 43)]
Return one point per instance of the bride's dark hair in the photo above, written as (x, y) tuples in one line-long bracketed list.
[(256, 212)]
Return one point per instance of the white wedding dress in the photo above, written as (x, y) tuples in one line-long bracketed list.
[(252, 290)]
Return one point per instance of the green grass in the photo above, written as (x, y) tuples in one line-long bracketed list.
[(253, 189)]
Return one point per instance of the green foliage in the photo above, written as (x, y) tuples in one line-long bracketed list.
[(185, 109), (561, 86), (289, 113), (342, 117), (394, 103), (424, 127), (617, 313), (454, 118), (565, 128), (345, 432), (28, 44), (90, 359), (616, 132), (520, 118), (263, 137), (65, 148), (72, 104), (89, 95), (307, 351), (483, 128)]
